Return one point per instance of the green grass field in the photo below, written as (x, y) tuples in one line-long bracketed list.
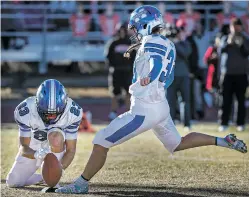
[(142, 167)]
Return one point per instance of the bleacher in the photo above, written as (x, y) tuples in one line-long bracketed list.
[(52, 42)]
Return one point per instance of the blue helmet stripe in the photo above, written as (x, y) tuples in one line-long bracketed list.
[(52, 95), (49, 95)]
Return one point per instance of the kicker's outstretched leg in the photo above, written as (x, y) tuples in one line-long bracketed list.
[(198, 139)]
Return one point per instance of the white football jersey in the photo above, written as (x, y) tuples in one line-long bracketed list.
[(31, 125), (155, 59)]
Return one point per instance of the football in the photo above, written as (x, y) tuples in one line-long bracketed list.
[(51, 170)]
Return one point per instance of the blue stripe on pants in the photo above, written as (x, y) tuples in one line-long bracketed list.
[(127, 129)]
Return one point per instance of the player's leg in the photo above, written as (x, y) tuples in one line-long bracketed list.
[(240, 91), (169, 136), (199, 139), (172, 97), (22, 173), (56, 140), (167, 133), (115, 90), (123, 128), (227, 99), (185, 92), (127, 78)]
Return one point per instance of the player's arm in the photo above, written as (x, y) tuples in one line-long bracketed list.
[(155, 69), (24, 148), (71, 138), (69, 154), (156, 54), (21, 115)]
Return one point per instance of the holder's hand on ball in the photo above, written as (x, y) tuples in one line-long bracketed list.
[(40, 155)]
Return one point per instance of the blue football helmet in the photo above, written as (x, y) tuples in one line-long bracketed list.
[(143, 20), (51, 101)]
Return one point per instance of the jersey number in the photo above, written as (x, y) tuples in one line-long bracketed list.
[(40, 135), (164, 76), (23, 110), (75, 109)]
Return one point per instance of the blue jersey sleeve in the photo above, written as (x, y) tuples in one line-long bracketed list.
[(22, 117), (171, 66), (156, 54), (156, 64)]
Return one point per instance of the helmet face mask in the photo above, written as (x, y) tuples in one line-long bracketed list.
[(143, 20), (49, 117), (51, 101), (136, 37)]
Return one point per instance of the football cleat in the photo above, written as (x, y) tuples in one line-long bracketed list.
[(222, 128), (240, 128), (79, 186), (235, 143)]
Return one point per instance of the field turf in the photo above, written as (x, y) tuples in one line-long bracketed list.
[(142, 167)]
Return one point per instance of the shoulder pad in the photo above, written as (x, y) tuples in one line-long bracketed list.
[(23, 111), (156, 44)]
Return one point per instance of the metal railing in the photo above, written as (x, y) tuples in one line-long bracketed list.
[(47, 15)]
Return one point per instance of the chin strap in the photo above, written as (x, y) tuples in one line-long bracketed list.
[(130, 49)]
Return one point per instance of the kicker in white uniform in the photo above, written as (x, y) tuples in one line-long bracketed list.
[(153, 73)]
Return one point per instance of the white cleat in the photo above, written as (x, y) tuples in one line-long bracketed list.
[(240, 128), (187, 129), (222, 128)]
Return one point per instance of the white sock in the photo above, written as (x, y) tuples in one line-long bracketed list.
[(221, 142), (81, 181)]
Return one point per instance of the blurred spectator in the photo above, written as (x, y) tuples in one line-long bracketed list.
[(80, 22), (211, 58), (109, 20), (245, 19), (181, 81), (190, 17), (12, 25), (63, 6), (225, 16), (201, 38), (213, 30), (234, 71), (68, 6), (138, 4), (168, 17), (120, 68)]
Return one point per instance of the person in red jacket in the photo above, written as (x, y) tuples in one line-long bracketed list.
[(109, 20), (245, 20), (80, 22), (211, 58)]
